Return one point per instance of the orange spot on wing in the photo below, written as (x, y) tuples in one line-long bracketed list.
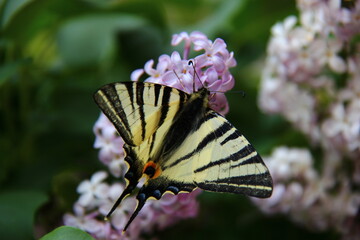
[(155, 166)]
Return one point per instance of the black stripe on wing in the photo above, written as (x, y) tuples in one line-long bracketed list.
[(140, 104), (130, 91), (232, 136), (253, 179), (247, 190), (242, 153), (165, 104), (156, 93)]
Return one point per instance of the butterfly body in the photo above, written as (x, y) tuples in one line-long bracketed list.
[(178, 143)]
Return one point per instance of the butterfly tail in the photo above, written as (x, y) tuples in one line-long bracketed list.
[(132, 176), (124, 194), (141, 197)]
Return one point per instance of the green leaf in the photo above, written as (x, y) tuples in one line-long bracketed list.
[(17, 213), (65, 232), (11, 8), (90, 39)]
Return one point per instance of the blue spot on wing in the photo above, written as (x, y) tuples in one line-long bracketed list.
[(173, 189)]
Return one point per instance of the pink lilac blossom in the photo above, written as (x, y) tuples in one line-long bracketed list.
[(97, 196), (312, 78), (211, 68)]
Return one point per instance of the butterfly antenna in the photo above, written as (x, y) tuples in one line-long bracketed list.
[(141, 197), (179, 79), (191, 62), (126, 192)]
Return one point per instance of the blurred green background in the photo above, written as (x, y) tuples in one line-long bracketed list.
[(54, 54)]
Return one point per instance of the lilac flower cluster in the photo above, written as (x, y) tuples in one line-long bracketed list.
[(212, 68), (312, 78), (97, 196)]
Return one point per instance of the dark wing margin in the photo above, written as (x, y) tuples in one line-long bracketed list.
[(109, 102)]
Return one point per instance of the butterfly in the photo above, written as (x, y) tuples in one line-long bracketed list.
[(178, 143)]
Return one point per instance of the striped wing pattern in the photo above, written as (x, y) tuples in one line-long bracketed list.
[(192, 145), (233, 165), (220, 159), (138, 109)]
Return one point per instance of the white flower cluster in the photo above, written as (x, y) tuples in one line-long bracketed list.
[(304, 195), (312, 78)]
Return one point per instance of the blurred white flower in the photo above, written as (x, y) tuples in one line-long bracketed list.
[(92, 190)]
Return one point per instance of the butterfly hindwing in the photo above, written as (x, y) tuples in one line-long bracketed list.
[(220, 159), (228, 162)]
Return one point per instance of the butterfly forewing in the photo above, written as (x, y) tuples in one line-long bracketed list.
[(138, 109)]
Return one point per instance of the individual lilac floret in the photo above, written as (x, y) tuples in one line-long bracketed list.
[(188, 39), (93, 190)]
